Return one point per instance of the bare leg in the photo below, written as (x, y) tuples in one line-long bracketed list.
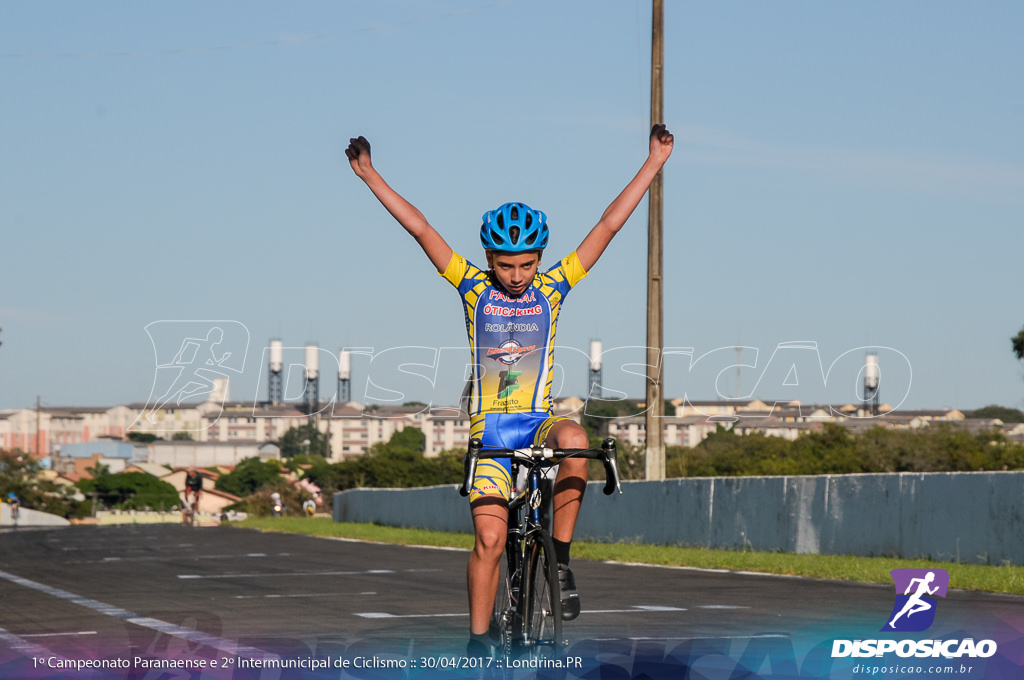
[(571, 482), (490, 523)]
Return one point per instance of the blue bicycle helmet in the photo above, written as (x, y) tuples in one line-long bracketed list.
[(514, 228)]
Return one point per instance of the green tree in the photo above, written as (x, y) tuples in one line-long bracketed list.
[(98, 470), (941, 447), (410, 439), (1007, 415), (131, 491), (250, 476), (1018, 344), (293, 442), (399, 463), (19, 475), (142, 437)]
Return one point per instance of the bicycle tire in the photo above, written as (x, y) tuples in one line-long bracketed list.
[(504, 618), (540, 606)]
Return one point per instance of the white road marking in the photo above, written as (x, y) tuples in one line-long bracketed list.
[(254, 597), (39, 635), (709, 570), (397, 545), (769, 636), (385, 615), (764, 636), (171, 629), (636, 609), (261, 575), (163, 558), (22, 646)]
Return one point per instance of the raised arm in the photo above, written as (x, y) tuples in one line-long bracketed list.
[(616, 214), (437, 250)]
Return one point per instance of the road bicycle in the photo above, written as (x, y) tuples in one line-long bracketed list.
[(528, 607), (188, 517)]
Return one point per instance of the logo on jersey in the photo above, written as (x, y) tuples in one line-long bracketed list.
[(509, 352), (509, 383)]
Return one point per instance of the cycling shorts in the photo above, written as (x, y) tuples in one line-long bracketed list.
[(505, 431)]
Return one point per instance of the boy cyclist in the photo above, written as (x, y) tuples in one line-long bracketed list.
[(511, 313), (193, 490)]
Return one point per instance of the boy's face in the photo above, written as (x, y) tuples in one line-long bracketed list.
[(514, 271)]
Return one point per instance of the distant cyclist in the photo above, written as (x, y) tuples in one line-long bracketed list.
[(12, 500), (309, 507), (511, 310), (193, 490)]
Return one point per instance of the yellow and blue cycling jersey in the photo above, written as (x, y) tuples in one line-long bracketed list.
[(512, 340)]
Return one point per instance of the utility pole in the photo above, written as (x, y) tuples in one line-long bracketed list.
[(655, 433), (38, 427)]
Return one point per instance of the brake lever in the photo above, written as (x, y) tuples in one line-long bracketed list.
[(472, 456), (611, 468)]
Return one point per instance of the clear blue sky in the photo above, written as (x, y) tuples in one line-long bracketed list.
[(849, 174)]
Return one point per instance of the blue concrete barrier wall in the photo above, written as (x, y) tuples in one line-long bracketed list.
[(972, 517)]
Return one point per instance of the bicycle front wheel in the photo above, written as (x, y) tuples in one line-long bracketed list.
[(541, 603), (503, 620)]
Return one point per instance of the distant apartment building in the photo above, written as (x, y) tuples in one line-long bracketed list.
[(353, 429), (76, 460), (43, 430)]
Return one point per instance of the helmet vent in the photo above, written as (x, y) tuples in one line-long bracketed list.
[(513, 234)]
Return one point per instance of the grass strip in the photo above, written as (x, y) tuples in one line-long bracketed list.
[(986, 578)]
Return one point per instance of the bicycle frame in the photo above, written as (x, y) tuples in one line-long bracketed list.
[(524, 517), (518, 611)]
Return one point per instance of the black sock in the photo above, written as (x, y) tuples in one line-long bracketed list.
[(562, 551), (479, 644)]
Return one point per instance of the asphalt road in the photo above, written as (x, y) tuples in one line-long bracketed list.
[(171, 592)]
